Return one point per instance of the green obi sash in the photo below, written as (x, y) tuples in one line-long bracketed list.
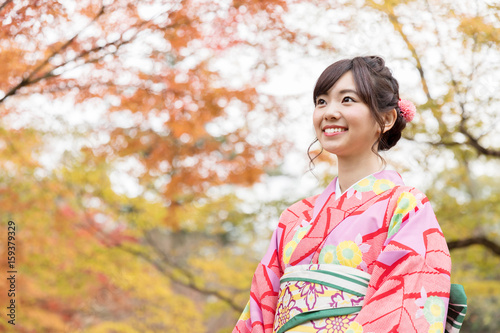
[(456, 309), (308, 292)]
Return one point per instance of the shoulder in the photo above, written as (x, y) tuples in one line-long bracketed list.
[(410, 195), (392, 183), (410, 206), (300, 210)]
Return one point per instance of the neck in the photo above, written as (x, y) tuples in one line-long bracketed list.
[(351, 169)]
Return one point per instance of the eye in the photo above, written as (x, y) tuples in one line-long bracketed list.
[(348, 99), (320, 101)]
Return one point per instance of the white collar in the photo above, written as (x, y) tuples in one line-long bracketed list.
[(337, 189), (337, 185)]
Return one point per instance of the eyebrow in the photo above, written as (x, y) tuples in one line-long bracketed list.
[(341, 92), (344, 91)]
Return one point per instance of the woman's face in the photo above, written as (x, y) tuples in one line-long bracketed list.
[(344, 124)]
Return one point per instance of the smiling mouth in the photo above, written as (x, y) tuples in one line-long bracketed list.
[(334, 130)]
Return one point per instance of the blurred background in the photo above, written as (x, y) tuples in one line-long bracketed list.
[(147, 148)]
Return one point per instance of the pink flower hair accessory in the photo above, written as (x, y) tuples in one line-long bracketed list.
[(408, 109)]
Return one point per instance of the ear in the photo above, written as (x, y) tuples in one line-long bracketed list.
[(389, 119)]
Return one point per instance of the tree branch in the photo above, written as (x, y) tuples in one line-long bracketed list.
[(399, 28), (31, 79), (481, 240), (28, 79), (433, 143), (5, 4), (189, 284), (474, 143), (471, 141), (65, 45), (160, 265)]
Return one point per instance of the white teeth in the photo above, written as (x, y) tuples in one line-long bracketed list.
[(334, 130)]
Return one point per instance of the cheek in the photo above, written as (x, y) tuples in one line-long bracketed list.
[(316, 118), (316, 122), (371, 126), (373, 133), (376, 128)]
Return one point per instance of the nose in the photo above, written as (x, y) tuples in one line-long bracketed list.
[(331, 112)]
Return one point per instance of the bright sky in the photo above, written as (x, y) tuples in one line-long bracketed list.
[(292, 81)]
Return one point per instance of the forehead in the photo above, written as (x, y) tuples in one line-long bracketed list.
[(343, 84)]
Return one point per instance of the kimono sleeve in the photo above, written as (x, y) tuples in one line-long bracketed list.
[(258, 315), (410, 282)]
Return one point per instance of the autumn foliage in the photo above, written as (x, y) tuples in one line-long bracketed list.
[(126, 126), (151, 77)]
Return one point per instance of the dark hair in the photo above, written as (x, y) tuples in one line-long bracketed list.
[(375, 86)]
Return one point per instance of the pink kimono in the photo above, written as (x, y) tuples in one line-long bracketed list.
[(373, 259)]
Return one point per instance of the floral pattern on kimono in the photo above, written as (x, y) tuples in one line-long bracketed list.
[(379, 226)]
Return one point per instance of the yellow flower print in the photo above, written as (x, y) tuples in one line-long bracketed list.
[(328, 255), (436, 328), (365, 184), (406, 203), (434, 310), (288, 250), (382, 185), (349, 254), (337, 324), (246, 312), (292, 245), (354, 327), (301, 233)]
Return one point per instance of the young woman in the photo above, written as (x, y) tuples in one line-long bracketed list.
[(366, 255)]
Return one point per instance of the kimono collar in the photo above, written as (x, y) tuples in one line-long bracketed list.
[(329, 212), (389, 175), (377, 182)]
